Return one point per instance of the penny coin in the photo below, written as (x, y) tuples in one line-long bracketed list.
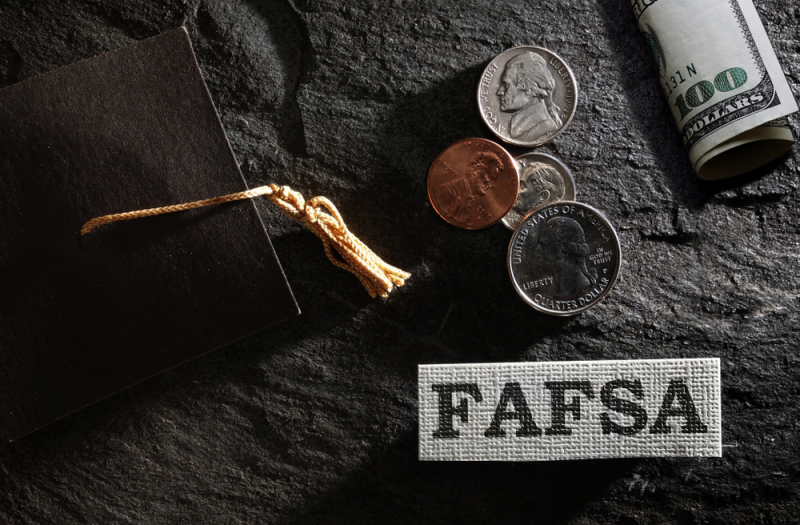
[(542, 179), (527, 95), (564, 258), (473, 183)]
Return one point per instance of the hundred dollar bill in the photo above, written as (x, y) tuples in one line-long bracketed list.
[(723, 82)]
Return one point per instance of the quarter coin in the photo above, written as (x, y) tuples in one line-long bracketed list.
[(527, 95), (473, 183), (564, 258), (542, 179)]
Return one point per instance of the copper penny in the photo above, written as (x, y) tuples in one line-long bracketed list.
[(473, 183)]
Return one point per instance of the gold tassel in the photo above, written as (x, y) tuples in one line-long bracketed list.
[(319, 215)]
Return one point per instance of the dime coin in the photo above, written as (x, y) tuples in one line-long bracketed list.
[(564, 258), (527, 95), (542, 179), (473, 183)]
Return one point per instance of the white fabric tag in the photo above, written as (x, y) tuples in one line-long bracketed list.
[(569, 410)]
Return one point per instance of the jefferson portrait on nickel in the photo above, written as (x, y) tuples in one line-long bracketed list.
[(526, 90)]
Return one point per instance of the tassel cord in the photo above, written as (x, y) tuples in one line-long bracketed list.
[(319, 215)]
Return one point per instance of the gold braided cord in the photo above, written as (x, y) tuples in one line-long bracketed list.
[(319, 215)]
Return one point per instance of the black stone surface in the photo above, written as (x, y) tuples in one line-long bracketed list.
[(314, 421)]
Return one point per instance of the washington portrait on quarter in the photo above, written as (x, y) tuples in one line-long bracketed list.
[(564, 258), (542, 179), (527, 95)]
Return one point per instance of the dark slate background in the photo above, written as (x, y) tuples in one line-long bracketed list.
[(314, 420)]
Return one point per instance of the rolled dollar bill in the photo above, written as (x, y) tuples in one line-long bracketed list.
[(723, 82)]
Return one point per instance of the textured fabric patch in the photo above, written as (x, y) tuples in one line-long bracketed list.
[(569, 410)]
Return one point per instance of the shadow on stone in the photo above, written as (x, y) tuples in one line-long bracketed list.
[(394, 487)]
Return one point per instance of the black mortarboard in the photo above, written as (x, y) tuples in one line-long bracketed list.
[(134, 128)]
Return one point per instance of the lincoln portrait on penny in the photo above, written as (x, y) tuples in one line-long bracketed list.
[(526, 90), (457, 197)]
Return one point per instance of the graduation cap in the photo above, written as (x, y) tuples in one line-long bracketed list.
[(130, 129)]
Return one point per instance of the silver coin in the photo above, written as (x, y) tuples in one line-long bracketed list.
[(527, 95), (564, 258), (542, 179)]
